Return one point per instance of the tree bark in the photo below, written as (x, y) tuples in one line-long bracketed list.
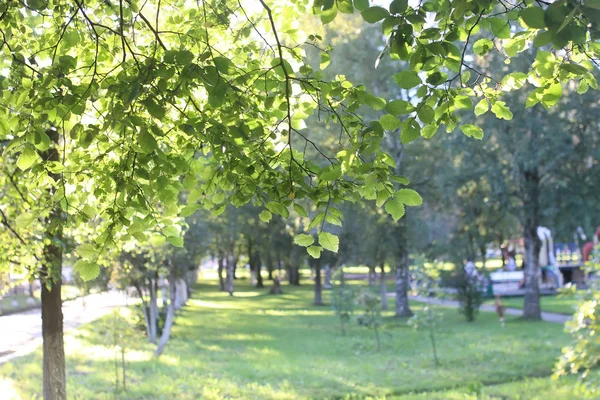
[(371, 275), (258, 267), (54, 375), (220, 272), (153, 312), (383, 288), (402, 274), (318, 286), (531, 306), (53, 344), (166, 332), (230, 274)]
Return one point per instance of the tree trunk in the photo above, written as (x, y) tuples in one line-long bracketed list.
[(402, 274), (166, 332), (258, 262), (230, 274), (318, 287), (371, 275), (54, 375), (220, 272), (328, 273), (53, 347), (383, 288), (153, 312), (531, 307)]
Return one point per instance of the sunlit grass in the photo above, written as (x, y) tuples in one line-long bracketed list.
[(257, 346)]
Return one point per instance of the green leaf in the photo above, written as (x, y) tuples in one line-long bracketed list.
[(552, 94), (501, 111), (398, 6), (24, 220), (329, 241), (224, 65), (374, 14), (574, 68), (154, 109), (426, 114), (464, 102), (429, 131), (399, 107), (482, 46), (176, 241), (389, 122), (409, 197), (407, 79), (278, 208), (361, 5), (27, 158), (533, 17), (331, 174), (410, 131), (395, 208), (300, 210), (89, 211), (4, 127), (500, 27), (86, 250), (147, 141), (345, 6), (304, 240), (329, 15), (472, 131), (86, 270), (376, 103), (482, 107), (382, 197), (314, 251), (265, 216)]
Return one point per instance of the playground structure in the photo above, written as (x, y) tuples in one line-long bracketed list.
[(559, 263)]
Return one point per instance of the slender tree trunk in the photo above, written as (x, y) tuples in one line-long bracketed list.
[(230, 274), (54, 375), (296, 274), (371, 275), (483, 252), (257, 268), (383, 288), (220, 272), (531, 307), (153, 312), (123, 368), (318, 286), (328, 273), (402, 274), (166, 332)]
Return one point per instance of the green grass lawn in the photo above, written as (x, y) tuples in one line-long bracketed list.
[(258, 346)]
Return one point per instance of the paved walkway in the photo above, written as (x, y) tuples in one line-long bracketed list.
[(21, 333), (546, 316)]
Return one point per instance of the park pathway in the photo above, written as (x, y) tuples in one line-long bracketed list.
[(21, 333), (546, 316)]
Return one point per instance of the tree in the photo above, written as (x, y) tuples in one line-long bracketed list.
[(110, 110)]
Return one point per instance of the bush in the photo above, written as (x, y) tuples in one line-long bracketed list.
[(469, 293), (342, 299), (370, 303)]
